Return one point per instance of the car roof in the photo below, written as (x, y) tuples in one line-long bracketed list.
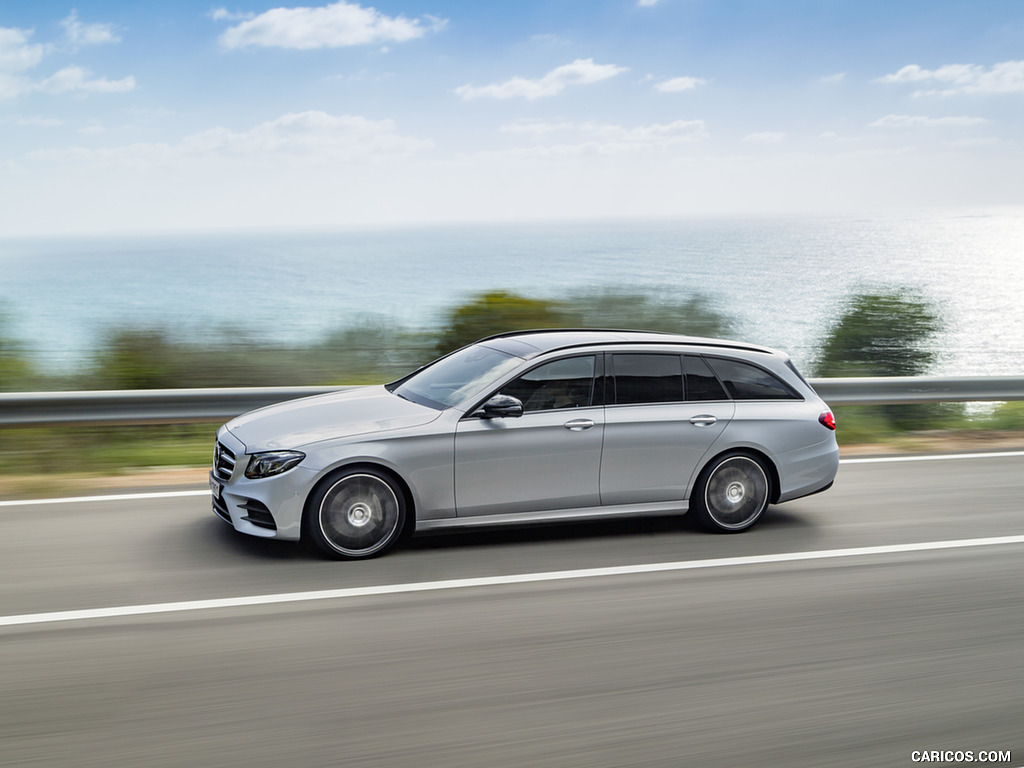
[(531, 343)]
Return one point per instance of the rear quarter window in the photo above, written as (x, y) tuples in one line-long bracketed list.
[(744, 381), (701, 382)]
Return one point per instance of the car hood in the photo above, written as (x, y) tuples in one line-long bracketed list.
[(295, 423)]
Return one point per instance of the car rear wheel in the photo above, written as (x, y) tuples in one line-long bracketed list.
[(732, 493), (356, 513)]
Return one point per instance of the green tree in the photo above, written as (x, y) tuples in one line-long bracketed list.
[(498, 312), (881, 334), (692, 316), (887, 334)]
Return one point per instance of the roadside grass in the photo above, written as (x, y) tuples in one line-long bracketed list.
[(36, 460)]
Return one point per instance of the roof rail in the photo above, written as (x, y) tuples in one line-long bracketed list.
[(571, 330), (695, 341)]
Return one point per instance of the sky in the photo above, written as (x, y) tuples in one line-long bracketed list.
[(140, 117)]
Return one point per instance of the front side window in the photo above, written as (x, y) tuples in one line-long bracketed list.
[(748, 382), (559, 384), (646, 378)]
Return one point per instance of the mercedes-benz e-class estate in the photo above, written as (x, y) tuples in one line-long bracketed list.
[(531, 427)]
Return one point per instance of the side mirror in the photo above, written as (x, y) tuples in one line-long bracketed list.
[(502, 407)]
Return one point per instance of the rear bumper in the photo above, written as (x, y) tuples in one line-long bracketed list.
[(809, 470)]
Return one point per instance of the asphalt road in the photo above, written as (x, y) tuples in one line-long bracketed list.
[(852, 660)]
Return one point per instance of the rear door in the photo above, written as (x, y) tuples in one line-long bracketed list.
[(660, 422)]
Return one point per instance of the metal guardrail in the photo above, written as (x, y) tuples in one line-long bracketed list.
[(141, 406), (163, 406), (919, 389)]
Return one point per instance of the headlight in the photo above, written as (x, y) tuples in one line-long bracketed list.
[(272, 463)]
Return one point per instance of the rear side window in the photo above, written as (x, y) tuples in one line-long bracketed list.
[(701, 382), (641, 378), (748, 382)]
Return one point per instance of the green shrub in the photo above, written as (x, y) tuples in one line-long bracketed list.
[(16, 371), (1006, 416)]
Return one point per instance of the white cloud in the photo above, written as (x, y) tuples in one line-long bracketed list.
[(662, 133), (676, 84), (537, 128), (647, 3), (331, 26), (16, 52), (88, 34), (579, 72), (765, 137), (307, 137), (548, 39), (835, 79), (918, 121), (592, 138), (77, 80), (33, 121), (11, 86), (975, 142), (360, 76), (223, 14), (341, 137), (1006, 77)]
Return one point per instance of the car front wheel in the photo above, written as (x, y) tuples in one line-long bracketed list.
[(731, 493), (356, 513)]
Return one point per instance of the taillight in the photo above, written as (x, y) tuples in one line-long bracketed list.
[(827, 419)]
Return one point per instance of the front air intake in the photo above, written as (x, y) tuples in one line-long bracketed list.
[(258, 514)]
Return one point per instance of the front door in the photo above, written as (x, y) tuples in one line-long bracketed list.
[(547, 459)]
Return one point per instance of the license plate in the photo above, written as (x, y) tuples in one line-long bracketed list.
[(215, 488)]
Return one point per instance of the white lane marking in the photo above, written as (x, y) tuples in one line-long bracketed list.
[(932, 457), (111, 497), (206, 492), (489, 581)]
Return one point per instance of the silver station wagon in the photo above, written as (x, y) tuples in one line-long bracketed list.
[(531, 427)]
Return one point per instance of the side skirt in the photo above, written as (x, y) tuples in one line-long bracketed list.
[(558, 515)]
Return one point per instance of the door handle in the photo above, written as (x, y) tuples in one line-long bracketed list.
[(703, 421), (578, 425)]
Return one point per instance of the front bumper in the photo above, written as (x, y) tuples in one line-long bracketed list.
[(270, 507)]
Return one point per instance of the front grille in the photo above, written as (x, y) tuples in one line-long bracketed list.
[(223, 462)]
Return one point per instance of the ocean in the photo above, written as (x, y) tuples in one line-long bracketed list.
[(782, 281)]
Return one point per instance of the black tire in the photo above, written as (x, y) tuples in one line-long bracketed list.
[(732, 493), (356, 513)]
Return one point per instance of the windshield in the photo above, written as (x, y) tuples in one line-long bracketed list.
[(452, 379)]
